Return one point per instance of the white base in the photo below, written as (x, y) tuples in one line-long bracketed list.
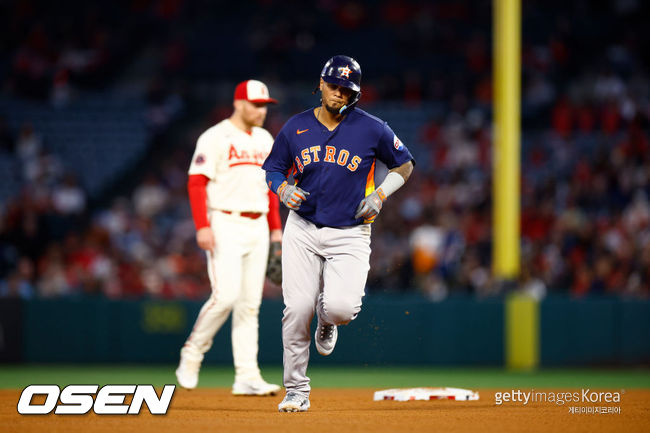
[(409, 394)]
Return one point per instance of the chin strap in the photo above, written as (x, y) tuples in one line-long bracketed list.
[(344, 109)]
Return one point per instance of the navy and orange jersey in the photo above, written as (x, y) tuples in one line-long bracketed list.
[(336, 167)]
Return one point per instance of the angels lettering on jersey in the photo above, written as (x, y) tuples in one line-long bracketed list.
[(238, 157), (245, 157)]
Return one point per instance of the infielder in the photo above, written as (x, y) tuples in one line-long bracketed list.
[(229, 200), (331, 150)]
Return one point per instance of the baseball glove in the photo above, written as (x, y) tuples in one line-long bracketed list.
[(274, 265)]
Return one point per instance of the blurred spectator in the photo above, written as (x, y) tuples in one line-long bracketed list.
[(28, 144), (19, 284), (68, 198), (51, 269), (149, 198)]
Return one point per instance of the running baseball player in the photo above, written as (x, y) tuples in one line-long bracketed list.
[(234, 212), (331, 151)]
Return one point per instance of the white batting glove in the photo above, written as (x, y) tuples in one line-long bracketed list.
[(370, 206), (291, 195)]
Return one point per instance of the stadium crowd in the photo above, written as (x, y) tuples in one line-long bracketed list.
[(585, 153)]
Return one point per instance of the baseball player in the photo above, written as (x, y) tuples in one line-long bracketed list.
[(331, 151), (234, 212)]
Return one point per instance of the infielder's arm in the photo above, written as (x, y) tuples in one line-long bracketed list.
[(273, 218), (196, 189)]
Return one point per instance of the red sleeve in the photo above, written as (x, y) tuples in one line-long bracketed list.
[(196, 189), (273, 216)]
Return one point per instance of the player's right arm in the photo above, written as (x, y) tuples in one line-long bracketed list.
[(196, 189), (276, 165), (202, 169)]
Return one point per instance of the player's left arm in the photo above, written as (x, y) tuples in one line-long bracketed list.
[(392, 183), (393, 153), (371, 205)]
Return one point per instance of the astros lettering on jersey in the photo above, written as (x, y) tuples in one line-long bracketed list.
[(336, 167)]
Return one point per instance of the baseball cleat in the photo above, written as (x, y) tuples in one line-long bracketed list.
[(257, 387), (187, 373), (326, 336), (294, 402)]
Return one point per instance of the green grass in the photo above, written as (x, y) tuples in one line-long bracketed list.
[(19, 376)]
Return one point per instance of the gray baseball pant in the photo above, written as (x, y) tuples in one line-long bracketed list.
[(337, 256)]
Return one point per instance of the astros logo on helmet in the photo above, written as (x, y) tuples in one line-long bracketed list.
[(345, 72)]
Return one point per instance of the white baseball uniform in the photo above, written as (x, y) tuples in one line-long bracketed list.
[(237, 201)]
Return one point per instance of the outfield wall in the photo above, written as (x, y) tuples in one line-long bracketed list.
[(399, 330)]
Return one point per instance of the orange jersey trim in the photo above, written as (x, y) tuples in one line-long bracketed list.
[(370, 187), (370, 180)]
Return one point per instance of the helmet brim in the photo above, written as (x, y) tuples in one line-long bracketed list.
[(343, 83)]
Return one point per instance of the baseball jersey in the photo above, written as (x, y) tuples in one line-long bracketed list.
[(231, 159), (336, 167)]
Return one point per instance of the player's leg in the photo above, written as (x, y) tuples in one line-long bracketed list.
[(224, 271), (301, 269), (347, 253), (245, 314)]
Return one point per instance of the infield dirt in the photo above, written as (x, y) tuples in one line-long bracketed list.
[(341, 411)]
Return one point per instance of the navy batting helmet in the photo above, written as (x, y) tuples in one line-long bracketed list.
[(344, 71)]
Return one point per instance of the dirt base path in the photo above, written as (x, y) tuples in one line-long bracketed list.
[(340, 411)]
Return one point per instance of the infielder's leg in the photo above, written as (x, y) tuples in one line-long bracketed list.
[(301, 269), (246, 309), (347, 261), (224, 270)]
